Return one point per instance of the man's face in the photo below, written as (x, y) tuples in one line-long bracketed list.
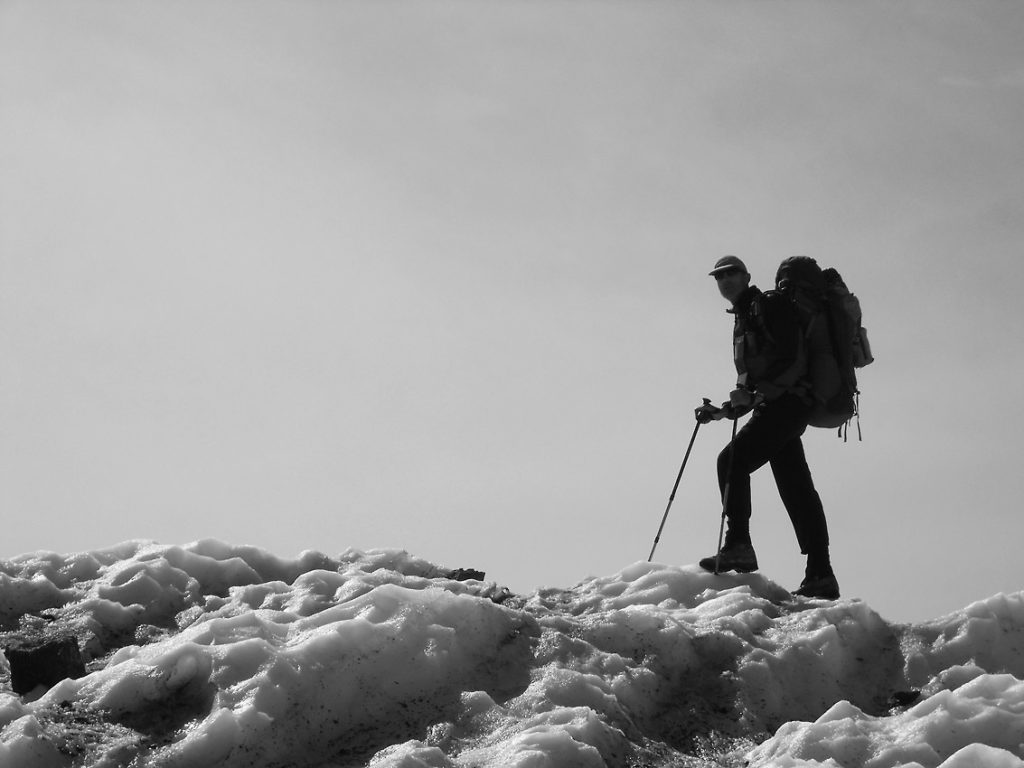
[(731, 283)]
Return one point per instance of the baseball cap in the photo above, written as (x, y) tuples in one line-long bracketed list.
[(726, 263)]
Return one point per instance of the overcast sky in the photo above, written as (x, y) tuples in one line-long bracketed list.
[(433, 275)]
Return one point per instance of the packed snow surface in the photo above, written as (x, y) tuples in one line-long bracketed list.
[(218, 655)]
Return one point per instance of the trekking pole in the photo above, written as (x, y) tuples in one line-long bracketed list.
[(672, 497), (725, 493)]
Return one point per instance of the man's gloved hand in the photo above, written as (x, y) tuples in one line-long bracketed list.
[(741, 399), (741, 402), (708, 412)]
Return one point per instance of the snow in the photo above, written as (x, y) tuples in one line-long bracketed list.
[(216, 655)]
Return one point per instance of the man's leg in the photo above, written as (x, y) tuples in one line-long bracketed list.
[(802, 502), (768, 430), (801, 499)]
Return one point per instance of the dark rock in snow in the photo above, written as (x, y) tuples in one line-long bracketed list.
[(42, 661), (466, 574)]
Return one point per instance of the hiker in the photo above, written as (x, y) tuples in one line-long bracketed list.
[(767, 339)]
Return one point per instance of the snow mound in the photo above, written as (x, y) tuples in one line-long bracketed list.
[(216, 655)]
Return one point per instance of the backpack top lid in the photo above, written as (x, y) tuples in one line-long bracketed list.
[(800, 272)]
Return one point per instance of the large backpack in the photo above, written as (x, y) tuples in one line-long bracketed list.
[(835, 341)]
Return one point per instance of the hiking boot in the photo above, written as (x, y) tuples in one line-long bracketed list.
[(739, 557), (825, 587)]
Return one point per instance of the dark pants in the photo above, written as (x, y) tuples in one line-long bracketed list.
[(772, 436)]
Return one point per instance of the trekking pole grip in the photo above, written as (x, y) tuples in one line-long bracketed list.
[(706, 402)]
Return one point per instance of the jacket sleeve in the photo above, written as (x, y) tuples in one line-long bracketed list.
[(788, 364)]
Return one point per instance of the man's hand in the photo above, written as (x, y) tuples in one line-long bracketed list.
[(741, 399), (741, 402), (744, 400), (708, 412)]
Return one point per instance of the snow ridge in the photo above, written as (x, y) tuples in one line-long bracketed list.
[(216, 655)]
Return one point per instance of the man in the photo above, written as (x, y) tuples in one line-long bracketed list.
[(767, 339)]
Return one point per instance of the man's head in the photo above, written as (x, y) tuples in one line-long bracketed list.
[(732, 277), (800, 272)]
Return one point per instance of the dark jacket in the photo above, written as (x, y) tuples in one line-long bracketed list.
[(767, 344)]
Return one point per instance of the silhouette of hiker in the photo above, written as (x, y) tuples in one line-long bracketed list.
[(766, 340)]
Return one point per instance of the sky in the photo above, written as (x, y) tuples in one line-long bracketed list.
[(433, 275)]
